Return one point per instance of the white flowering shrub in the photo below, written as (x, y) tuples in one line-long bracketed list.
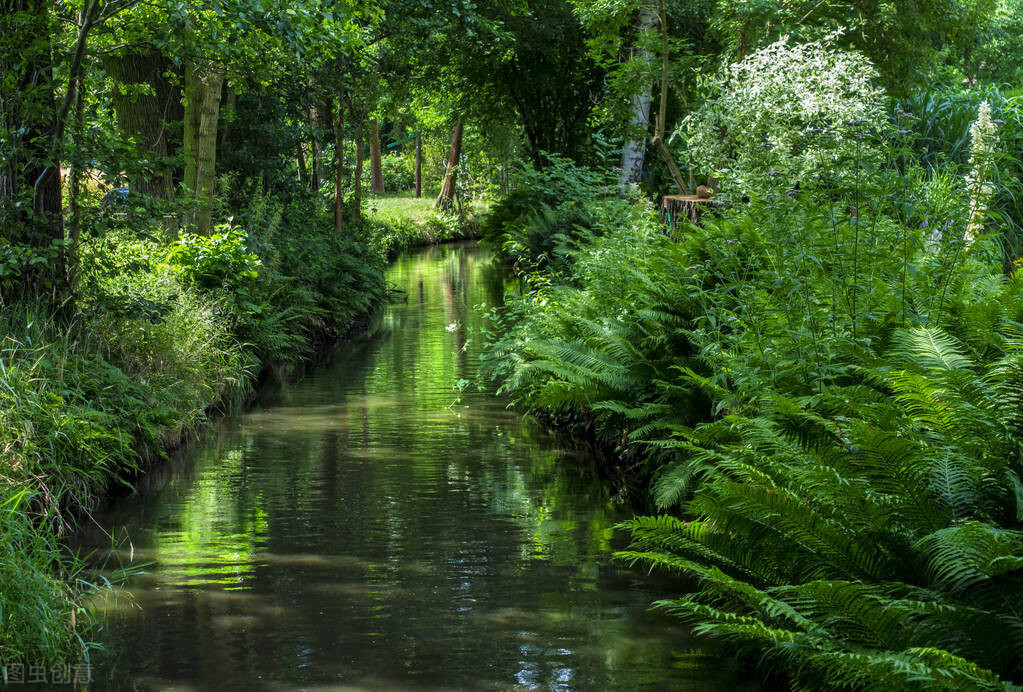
[(984, 141), (788, 114)]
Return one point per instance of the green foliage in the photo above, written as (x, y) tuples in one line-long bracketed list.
[(161, 334), (825, 382), (785, 116), (35, 599), (547, 208), (218, 260), (998, 59), (940, 122), (399, 172), (78, 401), (867, 536), (911, 45)]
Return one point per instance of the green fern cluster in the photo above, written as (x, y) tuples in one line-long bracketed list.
[(865, 537), (827, 383), (602, 351)]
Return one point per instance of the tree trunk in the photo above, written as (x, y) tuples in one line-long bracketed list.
[(658, 140), (228, 115), (375, 168), (339, 144), (142, 115), (637, 132), (357, 183), (316, 124), (74, 189), (203, 87), (419, 165), (301, 163), (447, 190)]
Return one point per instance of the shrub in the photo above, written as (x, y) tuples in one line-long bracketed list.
[(399, 172), (785, 117), (825, 383)]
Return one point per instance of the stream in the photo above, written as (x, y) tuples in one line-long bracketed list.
[(367, 526)]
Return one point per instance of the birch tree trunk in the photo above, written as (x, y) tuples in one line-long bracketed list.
[(315, 174), (419, 165), (357, 183), (638, 132)]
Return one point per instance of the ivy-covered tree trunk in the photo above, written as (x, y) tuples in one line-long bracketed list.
[(31, 222), (376, 183), (203, 88), (144, 102), (637, 132), (447, 191)]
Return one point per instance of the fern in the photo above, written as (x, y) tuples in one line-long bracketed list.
[(859, 551)]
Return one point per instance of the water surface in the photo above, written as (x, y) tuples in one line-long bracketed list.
[(368, 526)]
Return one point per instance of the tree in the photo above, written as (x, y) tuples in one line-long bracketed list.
[(447, 191), (30, 178), (204, 82), (376, 180), (906, 41)]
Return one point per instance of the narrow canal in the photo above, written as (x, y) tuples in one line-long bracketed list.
[(368, 526)]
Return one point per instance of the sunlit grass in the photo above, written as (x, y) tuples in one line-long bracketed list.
[(393, 207), (405, 221)]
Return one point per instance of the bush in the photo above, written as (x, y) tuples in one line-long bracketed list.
[(785, 117), (399, 172), (539, 222)]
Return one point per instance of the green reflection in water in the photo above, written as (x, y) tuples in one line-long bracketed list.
[(354, 529)]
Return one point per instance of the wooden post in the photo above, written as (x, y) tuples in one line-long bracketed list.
[(419, 165)]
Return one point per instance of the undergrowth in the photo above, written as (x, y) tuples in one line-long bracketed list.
[(822, 384)]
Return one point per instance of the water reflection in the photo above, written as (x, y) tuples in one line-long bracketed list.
[(358, 529)]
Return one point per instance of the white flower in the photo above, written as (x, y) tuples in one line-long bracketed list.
[(984, 133)]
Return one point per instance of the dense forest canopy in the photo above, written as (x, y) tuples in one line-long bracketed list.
[(768, 255)]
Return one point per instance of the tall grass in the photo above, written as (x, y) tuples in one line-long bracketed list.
[(37, 598)]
